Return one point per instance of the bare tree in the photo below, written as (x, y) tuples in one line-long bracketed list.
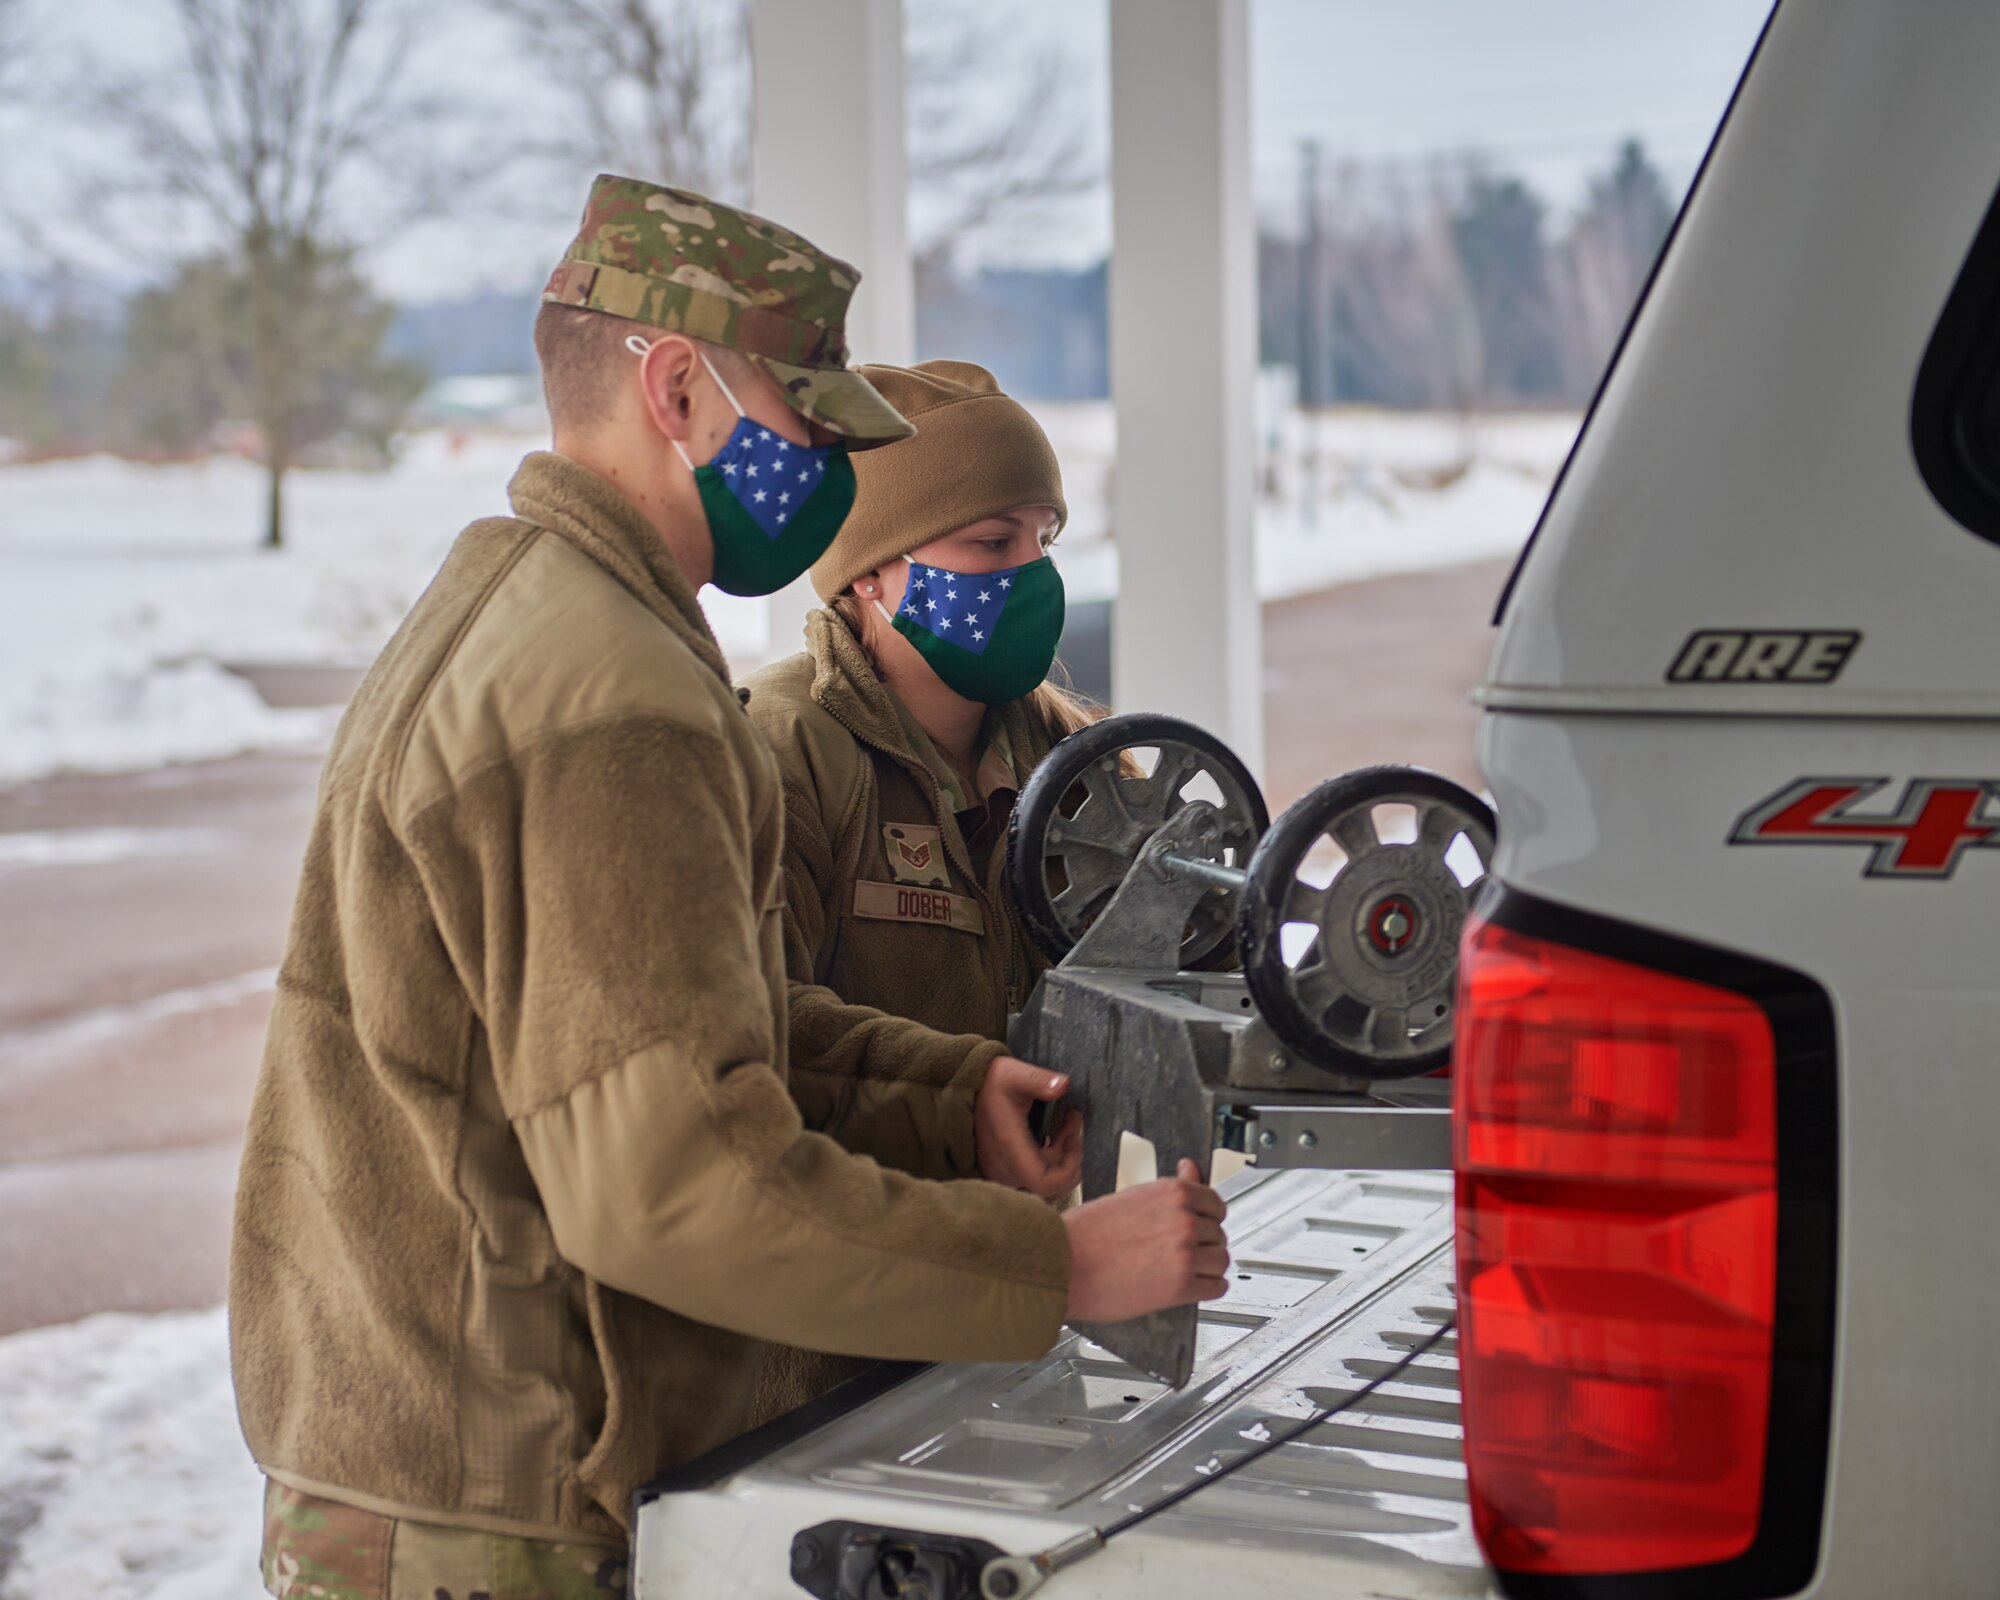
[(13, 45), (995, 136), (1405, 329), (655, 88), (661, 89), (286, 129), (1606, 257)]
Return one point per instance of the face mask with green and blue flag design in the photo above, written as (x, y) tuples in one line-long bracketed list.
[(772, 506), (990, 636)]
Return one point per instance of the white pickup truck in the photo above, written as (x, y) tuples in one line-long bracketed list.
[(1724, 1090)]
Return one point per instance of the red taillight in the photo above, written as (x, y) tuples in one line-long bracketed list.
[(1617, 1258)]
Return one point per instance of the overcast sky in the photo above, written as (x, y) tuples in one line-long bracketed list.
[(1547, 87)]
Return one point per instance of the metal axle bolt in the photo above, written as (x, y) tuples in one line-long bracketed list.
[(1308, 1140), (1279, 1063), (1267, 1140)]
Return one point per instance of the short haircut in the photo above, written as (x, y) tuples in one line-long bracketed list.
[(579, 351), (584, 362)]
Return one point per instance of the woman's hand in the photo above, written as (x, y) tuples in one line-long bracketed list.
[(1007, 1149)]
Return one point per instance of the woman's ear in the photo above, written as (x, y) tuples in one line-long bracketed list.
[(883, 583)]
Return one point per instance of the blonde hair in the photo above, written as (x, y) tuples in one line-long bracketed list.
[(1057, 701)]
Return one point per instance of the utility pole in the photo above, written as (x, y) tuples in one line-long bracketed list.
[(1311, 291)]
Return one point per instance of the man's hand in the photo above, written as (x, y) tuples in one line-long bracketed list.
[(1007, 1150), (1152, 1246)]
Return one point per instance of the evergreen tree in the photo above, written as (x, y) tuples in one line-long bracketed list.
[(1498, 229), (1609, 252), (312, 369)]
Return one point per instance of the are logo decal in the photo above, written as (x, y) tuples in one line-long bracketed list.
[(1934, 824), (1763, 655)]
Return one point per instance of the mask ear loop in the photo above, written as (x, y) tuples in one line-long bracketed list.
[(639, 345)]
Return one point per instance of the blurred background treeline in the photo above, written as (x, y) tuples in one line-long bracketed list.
[(230, 187)]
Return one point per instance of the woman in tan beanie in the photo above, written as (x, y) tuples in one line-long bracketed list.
[(904, 731)]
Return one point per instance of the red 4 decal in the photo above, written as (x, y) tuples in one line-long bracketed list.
[(1936, 822)]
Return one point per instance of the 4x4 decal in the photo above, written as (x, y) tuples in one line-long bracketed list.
[(1936, 822)]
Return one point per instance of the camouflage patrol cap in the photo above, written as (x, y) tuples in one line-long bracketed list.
[(686, 264)]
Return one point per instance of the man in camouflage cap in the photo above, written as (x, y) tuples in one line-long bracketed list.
[(674, 260), (526, 1189)]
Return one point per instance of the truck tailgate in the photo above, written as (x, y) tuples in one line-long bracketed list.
[(1337, 1276)]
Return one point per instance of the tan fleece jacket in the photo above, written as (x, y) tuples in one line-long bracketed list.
[(851, 772), (881, 981), (523, 1185)]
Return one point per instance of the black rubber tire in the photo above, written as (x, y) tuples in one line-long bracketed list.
[(1260, 911), (1035, 809)]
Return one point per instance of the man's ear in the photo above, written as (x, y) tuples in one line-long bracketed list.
[(666, 379)]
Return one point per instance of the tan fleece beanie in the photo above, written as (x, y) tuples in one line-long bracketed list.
[(977, 453)]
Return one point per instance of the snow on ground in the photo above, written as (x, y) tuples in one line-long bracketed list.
[(122, 1473), (126, 589)]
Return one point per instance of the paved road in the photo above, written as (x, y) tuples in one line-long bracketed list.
[(141, 919)]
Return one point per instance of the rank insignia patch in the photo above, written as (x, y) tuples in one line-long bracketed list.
[(916, 854)]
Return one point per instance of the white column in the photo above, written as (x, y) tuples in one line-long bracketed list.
[(1186, 634), (830, 164)]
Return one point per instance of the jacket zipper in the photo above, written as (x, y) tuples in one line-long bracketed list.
[(995, 906)]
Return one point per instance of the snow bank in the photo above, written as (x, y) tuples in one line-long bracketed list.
[(1368, 524), (125, 589), (122, 1473)]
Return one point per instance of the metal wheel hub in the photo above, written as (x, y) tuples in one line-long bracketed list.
[(1372, 992)]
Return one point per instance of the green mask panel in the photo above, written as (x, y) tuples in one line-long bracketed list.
[(991, 636), (773, 506), (762, 545)]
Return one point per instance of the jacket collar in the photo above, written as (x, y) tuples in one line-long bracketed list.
[(846, 685), (586, 510)]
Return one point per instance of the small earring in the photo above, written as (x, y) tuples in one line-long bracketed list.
[(868, 592)]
